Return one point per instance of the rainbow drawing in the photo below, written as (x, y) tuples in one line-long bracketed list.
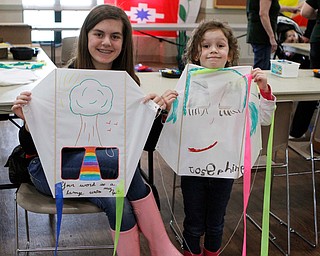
[(90, 168)]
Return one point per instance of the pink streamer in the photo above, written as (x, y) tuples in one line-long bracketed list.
[(247, 169)]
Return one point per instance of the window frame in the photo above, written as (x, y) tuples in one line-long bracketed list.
[(57, 8)]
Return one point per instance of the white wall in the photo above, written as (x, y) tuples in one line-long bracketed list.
[(11, 2), (10, 11), (230, 15)]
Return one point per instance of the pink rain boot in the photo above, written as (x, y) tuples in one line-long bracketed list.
[(129, 242), (187, 253), (208, 253), (151, 225)]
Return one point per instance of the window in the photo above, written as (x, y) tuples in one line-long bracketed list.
[(73, 3), (44, 14), (37, 18)]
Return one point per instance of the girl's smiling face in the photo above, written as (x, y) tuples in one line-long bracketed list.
[(105, 43), (214, 49)]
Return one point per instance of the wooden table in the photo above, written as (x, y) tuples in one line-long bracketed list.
[(301, 48), (304, 87), (9, 93)]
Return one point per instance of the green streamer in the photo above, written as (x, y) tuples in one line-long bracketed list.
[(267, 194), (203, 71), (119, 212), (23, 65)]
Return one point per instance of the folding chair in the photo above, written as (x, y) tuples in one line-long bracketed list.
[(29, 199), (150, 148), (305, 149), (68, 48), (178, 237), (11, 118)]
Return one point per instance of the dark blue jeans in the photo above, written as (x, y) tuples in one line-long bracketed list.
[(305, 109), (315, 55), (205, 202), (262, 56), (137, 190)]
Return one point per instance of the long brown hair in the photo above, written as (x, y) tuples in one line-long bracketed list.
[(192, 51), (99, 13)]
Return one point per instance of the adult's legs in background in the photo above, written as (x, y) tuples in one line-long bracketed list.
[(315, 55), (302, 118), (262, 55), (305, 109)]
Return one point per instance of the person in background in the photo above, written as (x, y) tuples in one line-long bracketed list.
[(291, 36), (213, 45), (105, 43), (261, 32), (288, 31), (305, 109), (307, 33)]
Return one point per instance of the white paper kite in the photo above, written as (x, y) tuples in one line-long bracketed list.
[(204, 132), (89, 127)]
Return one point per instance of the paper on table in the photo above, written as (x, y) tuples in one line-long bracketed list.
[(16, 76)]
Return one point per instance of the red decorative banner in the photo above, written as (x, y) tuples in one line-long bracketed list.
[(150, 11)]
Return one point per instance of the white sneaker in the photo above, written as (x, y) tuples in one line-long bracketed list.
[(300, 138)]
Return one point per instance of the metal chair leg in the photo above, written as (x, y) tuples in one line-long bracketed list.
[(172, 222), (27, 228), (272, 237), (314, 198), (16, 227), (315, 218), (27, 245)]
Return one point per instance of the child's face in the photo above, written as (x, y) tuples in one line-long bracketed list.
[(105, 43), (214, 49), (291, 37)]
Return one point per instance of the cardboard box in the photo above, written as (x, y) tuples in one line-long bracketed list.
[(3, 53), (15, 33), (3, 50), (284, 68)]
